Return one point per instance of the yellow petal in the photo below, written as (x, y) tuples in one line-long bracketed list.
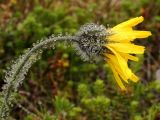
[(128, 56), (113, 60), (127, 36), (134, 78), (126, 48), (119, 37), (139, 34), (116, 66), (118, 80), (130, 23), (122, 64)]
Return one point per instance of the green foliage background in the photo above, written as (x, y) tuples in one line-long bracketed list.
[(61, 86)]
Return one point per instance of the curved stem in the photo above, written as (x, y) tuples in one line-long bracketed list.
[(38, 46)]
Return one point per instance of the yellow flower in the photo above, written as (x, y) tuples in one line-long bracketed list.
[(121, 47)]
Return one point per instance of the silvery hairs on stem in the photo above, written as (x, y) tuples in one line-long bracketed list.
[(88, 43)]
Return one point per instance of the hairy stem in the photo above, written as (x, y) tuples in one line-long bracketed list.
[(7, 92)]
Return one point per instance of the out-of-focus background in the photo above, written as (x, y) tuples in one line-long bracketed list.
[(61, 86)]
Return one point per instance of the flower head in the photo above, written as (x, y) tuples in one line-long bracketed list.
[(121, 49), (114, 44)]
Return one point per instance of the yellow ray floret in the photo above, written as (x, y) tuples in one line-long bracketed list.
[(127, 48), (130, 23), (120, 45), (118, 72), (118, 80), (123, 32), (127, 35), (129, 57)]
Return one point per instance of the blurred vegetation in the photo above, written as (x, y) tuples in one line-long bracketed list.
[(61, 86)]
